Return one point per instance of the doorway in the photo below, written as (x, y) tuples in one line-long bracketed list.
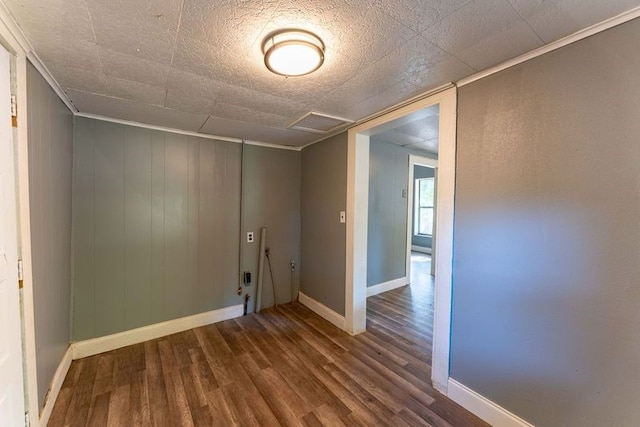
[(421, 212), (357, 222)]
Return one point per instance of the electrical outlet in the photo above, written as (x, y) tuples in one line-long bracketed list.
[(293, 265), (250, 237), (343, 217)]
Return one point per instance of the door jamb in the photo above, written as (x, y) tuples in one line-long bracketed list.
[(14, 41)]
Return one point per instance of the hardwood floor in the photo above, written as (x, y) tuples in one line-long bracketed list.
[(284, 366)]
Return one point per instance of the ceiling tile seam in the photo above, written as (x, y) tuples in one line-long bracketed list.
[(415, 33), (355, 78), (95, 39), (267, 22), (446, 51), (173, 52), (525, 20), (443, 18)]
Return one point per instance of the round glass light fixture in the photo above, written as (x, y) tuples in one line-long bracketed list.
[(293, 52)]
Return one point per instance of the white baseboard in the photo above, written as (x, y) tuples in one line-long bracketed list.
[(56, 385), (134, 336), (386, 286), (484, 408), (322, 310), (421, 249)]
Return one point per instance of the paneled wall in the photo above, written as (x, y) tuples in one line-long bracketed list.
[(156, 226), (271, 197), (546, 291), (50, 128)]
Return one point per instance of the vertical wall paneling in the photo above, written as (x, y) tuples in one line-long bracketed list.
[(109, 231), (158, 277), (156, 226), (50, 163), (138, 159), (272, 200)]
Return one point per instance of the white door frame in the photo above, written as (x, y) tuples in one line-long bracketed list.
[(13, 40), (12, 403), (413, 161), (357, 213)]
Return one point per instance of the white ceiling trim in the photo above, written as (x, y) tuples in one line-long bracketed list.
[(15, 31), (268, 145), (185, 132), (42, 69), (155, 127), (572, 38)]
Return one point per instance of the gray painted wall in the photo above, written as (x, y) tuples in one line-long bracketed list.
[(420, 172), (388, 204), (156, 226), (50, 128), (324, 195), (271, 198), (546, 259)]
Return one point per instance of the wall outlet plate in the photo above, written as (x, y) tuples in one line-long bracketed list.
[(343, 217), (250, 237)]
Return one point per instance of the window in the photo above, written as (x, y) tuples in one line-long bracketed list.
[(424, 198)]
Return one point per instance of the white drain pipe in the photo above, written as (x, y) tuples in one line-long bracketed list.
[(263, 244)]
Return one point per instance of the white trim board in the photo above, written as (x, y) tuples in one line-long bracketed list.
[(135, 336), (321, 310), (185, 132), (56, 385), (386, 286), (484, 408)]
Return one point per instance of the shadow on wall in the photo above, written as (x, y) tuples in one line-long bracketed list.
[(546, 347)]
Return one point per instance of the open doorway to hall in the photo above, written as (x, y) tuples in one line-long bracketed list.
[(403, 159), (380, 296)]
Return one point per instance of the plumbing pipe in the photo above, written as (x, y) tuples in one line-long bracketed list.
[(240, 247), (263, 243)]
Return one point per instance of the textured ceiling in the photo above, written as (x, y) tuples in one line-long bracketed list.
[(196, 65), (417, 131)]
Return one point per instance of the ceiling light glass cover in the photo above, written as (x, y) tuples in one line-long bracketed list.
[(293, 52)]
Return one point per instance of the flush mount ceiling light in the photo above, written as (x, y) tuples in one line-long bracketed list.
[(293, 52)]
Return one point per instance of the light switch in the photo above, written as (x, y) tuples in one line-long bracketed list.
[(250, 237), (343, 217)]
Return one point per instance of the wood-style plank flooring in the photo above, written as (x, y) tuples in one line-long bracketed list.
[(284, 366)]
